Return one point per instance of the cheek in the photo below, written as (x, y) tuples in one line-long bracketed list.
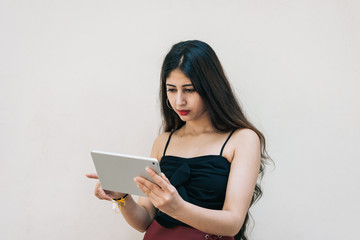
[(171, 98), (203, 109), (200, 104)]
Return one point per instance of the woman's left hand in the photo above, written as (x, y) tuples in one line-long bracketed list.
[(163, 195)]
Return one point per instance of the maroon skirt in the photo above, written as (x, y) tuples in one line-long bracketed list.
[(158, 232)]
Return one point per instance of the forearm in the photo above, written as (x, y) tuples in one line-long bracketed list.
[(217, 222), (136, 215), (165, 197)]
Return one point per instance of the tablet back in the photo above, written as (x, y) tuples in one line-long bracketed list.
[(117, 171)]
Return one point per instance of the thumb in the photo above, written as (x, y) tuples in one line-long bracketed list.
[(92, 175)]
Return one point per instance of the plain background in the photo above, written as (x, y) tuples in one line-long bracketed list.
[(81, 75)]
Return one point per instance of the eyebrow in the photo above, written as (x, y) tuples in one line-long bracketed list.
[(185, 85)]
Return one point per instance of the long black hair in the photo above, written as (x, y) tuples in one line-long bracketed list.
[(198, 61)]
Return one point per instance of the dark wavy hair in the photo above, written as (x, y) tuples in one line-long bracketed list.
[(198, 61)]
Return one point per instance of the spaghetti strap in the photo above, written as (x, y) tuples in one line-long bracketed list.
[(221, 152), (167, 143)]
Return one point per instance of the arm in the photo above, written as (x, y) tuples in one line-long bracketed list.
[(138, 215), (141, 214), (244, 171)]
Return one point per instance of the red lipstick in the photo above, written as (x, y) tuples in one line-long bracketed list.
[(183, 112)]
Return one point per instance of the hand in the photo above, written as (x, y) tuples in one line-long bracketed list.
[(163, 195), (100, 193)]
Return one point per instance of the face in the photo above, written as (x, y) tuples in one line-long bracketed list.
[(183, 98)]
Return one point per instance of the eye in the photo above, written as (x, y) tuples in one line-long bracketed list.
[(171, 89), (189, 90)]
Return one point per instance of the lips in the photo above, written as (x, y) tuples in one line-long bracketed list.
[(183, 112)]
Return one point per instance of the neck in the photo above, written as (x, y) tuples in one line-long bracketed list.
[(199, 126)]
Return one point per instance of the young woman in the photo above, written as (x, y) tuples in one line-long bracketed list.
[(210, 154)]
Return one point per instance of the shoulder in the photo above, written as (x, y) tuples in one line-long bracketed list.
[(246, 136), (243, 144), (159, 145)]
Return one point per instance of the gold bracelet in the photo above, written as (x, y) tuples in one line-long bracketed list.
[(117, 203)]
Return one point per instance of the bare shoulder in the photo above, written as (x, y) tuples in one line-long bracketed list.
[(246, 136), (244, 144), (159, 145), (161, 139)]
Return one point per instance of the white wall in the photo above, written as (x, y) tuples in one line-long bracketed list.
[(80, 75)]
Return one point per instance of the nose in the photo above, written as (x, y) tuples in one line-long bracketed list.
[(180, 99)]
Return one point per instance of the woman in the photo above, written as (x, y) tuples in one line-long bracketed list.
[(210, 154)]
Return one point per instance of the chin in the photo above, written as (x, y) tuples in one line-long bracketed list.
[(184, 118)]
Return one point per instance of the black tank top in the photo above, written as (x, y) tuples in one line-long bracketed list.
[(199, 180)]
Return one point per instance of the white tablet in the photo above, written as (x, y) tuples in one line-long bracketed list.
[(117, 171)]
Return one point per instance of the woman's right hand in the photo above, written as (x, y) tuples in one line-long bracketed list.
[(102, 194)]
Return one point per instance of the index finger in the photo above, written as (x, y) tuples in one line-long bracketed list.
[(165, 178), (158, 179)]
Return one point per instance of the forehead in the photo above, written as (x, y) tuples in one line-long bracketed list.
[(177, 77)]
